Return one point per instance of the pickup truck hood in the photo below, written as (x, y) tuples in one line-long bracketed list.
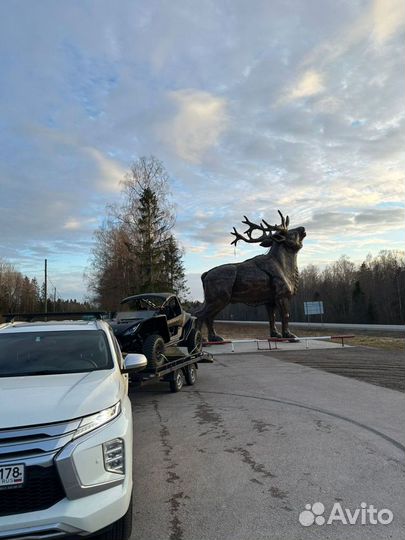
[(42, 399)]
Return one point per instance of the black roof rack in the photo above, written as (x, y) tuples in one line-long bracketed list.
[(67, 315)]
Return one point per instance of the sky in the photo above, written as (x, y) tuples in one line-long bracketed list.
[(255, 106)]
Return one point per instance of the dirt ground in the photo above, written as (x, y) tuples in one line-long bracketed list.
[(260, 331)]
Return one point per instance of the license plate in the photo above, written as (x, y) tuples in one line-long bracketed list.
[(11, 476)]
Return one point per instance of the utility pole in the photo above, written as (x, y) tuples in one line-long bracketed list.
[(46, 287), (398, 275), (54, 299)]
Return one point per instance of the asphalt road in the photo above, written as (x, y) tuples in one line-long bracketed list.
[(240, 454)]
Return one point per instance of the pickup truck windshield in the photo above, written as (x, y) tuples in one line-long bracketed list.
[(42, 353)]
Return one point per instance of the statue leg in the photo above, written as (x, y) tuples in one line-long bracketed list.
[(212, 335), (284, 306), (207, 315), (218, 287), (272, 321), (199, 323)]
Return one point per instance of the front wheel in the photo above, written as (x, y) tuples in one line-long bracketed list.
[(153, 349)]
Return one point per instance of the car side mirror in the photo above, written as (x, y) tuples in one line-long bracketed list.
[(134, 362)]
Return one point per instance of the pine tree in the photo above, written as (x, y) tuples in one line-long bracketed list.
[(359, 303), (152, 238), (174, 268)]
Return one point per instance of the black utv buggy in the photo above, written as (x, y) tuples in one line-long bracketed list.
[(149, 323)]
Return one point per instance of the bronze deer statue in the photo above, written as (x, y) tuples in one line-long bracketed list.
[(269, 279)]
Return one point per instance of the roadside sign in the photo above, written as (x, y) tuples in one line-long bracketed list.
[(313, 308)]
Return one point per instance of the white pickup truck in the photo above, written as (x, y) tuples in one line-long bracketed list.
[(65, 431)]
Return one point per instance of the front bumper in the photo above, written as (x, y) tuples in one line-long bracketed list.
[(94, 498), (79, 517)]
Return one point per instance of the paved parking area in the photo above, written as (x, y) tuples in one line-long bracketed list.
[(239, 455), (254, 345)]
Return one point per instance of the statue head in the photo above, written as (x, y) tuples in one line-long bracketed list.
[(269, 234)]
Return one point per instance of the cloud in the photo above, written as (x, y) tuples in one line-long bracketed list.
[(388, 18), (197, 125), (309, 84), (196, 249), (381, 216), (322, 221), (380, 21), (72, 224), (354, 225), (111, 172)]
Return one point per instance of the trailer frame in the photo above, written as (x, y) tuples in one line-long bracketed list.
[(177, 370)]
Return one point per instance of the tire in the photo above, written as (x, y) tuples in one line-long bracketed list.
[(194, 341), (190, 373), (153, 349), (177, 381), (120, 530)]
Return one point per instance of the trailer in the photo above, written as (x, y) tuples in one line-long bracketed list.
[(178, 369)]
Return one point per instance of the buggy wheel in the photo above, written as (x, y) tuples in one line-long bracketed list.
[(190, 373), (176, 380), (153, 349), (194, 341)]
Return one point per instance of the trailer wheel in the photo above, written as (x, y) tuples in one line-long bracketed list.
[(190, 373), (176, 380), (194, 341), (153, 349)]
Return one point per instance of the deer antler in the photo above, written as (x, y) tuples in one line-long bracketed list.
[(263, 226), (280, 228), (249, 232), (284, 222)]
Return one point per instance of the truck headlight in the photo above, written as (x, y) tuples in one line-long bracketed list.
[(114, 456), (88, 423)]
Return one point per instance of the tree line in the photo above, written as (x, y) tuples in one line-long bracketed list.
[(372, 292), (20, 294)]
